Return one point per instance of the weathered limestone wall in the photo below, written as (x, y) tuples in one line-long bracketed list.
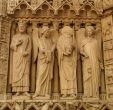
[(4, 54)]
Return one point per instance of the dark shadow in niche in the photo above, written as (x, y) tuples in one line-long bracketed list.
[(82, 25), (72, 24), (82, 108), (6, 108), (57, 108), (106, 109), (32, 108), (50, 1)]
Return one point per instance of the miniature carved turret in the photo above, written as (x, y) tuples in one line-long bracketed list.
[(11, 5), (3, 7)]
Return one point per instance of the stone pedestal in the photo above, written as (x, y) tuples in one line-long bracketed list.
[(21, 97), (42, 98), (91, 99)]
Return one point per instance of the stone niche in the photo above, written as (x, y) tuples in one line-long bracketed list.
[(56, 55)]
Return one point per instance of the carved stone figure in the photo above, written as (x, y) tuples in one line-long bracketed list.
[(44, 54), (67, 56), (91, 63), (21, 49)]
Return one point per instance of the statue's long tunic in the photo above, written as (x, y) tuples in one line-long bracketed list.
[(91, 67), (67, 65), (44, 68), (21, 64)]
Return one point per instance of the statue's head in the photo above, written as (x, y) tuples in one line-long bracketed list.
[(22, 25), (66, 30), (89, 31), (45, 31)]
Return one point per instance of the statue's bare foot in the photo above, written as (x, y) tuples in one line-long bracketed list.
[(86, 96), (47, 95), (73, 95), (17, 94), (35, 95), (63, 96), (26, 94)]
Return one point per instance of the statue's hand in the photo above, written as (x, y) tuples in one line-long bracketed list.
[(85, 55), (53, 48), (25, 54), (19, 42), (15, 48), (42, 51), (68, 50), (102, 66), (47, 61), (67, 53), (82, 52), (61, 56)]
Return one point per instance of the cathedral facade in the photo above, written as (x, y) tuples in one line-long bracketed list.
[(56, 55)]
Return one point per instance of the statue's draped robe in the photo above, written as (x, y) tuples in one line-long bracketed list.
[(91, 67), (21, 64), (67, 65), (44, 68)]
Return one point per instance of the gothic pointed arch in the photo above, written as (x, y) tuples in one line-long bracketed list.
[(44, 9), (45, 2), (23, 3), (82, 107), (66, 9), (89, 7), (106, 107), (66, 3), (57, 106), (6, 107), (32, 107)]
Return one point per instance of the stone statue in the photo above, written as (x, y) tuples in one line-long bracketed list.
[(44, 54), (67, 56), (21, 49), (91, 63)]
